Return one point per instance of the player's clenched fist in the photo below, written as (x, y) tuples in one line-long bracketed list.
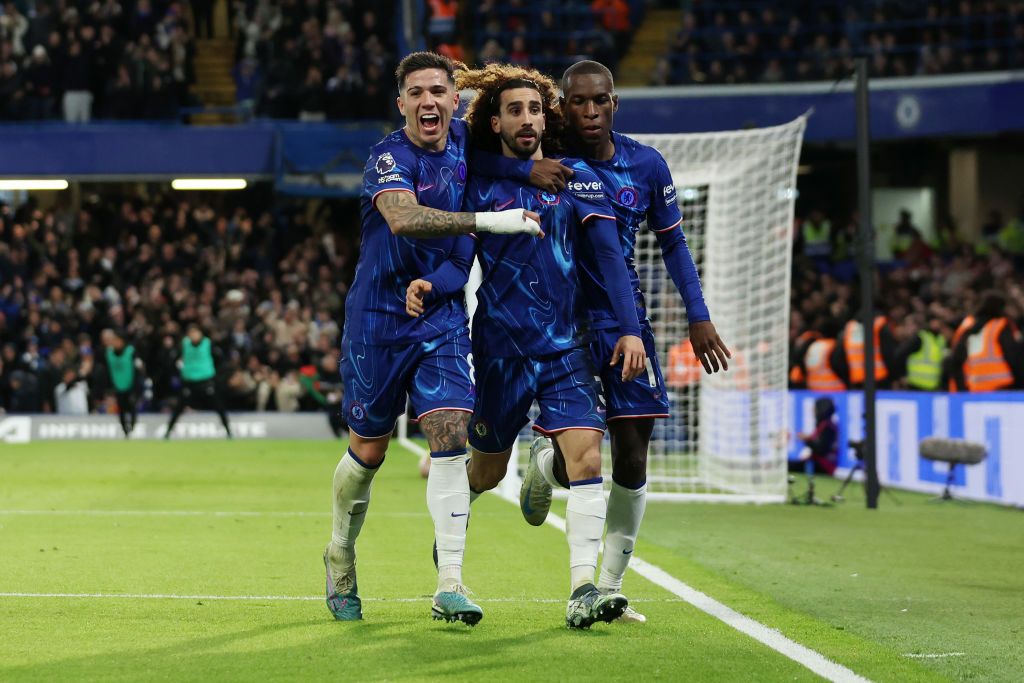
[(509, 222), (630, 350), (415, 295)]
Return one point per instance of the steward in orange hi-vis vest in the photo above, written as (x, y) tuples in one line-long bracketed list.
[(986, 368), (818, 363), (853, 346), (989, 355)]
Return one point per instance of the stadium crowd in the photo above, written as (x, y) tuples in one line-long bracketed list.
[(267, 288), (106, 59), (545, 35), (816, 40), (315, 60), (931, 297)]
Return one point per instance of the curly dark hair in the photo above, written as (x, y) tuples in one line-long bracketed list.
[(493, 80)]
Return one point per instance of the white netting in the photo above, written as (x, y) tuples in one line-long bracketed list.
[(727, 433), (726, 439)]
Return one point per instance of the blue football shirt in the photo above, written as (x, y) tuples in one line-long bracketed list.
[(527, 301), (639, 186), (375, 306)]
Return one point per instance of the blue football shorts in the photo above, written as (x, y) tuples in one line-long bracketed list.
[(563, 384), (645, 396), (434, 374)]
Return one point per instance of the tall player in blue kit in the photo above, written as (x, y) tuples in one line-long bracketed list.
[(412, 195), (639, 186), (526, 345)]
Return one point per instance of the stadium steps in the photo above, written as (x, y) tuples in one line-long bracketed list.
[(214, 84), (649, 43)]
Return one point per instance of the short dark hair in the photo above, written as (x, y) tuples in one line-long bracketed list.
[(587, 66), (418, 61)]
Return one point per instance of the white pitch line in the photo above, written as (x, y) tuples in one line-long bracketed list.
[(188, 513), (774, 639), (936, 655), (260, 598)]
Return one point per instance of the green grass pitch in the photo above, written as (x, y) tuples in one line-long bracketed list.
[(198, 522)]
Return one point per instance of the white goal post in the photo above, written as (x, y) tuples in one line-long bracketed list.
[(726, 440)]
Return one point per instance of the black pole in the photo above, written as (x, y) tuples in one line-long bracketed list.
[(867, 278)]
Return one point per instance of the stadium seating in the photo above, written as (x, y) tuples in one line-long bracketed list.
[(550, 36), (735, 42), (315, 62), (105, 60)]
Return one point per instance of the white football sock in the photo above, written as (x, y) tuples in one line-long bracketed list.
[(352, 480), (448, 502), (625, 511), (584, 523)]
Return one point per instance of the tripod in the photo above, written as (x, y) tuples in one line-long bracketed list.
[(858, 452)]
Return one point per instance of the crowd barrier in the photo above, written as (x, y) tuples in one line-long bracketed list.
[(30, 428), (903, 419)]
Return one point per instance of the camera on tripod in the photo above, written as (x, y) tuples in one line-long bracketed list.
[(857, 446)]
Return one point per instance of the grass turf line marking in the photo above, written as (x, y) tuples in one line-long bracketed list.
[(243, 598), (774, 639), (188, 513)]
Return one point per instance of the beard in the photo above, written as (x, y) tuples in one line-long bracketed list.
[(523, 152)]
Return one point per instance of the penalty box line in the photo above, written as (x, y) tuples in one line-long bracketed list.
[(801, 654)]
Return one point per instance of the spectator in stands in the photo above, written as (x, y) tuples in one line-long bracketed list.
[(77, 104), (343, 93), (134, 278), (810, 44), (441, 21), (248, 83), (312, 97), (989, 355), (613, 15), (39, 85)]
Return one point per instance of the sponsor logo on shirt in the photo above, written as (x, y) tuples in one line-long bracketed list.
[(394, 177), (669, 193), (500, 206), (587, 189), (385, 162), (627, 196)]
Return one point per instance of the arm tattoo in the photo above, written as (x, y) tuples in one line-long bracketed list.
[(407, 218), (445, 430)]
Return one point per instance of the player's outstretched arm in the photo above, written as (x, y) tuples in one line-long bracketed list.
[(549, 175), (707, 346), (407, 218)]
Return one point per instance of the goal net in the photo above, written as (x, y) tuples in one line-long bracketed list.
[(726, 439)]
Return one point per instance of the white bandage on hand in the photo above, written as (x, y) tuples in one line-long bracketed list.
[(506, 222)]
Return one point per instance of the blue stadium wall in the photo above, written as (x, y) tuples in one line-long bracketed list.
[(327, 160)]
